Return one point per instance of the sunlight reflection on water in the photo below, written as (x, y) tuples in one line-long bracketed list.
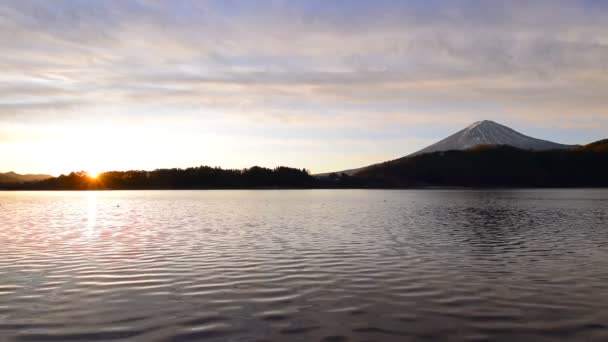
[(91, 213)]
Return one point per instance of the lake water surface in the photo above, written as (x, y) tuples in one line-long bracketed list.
[(304, 265)]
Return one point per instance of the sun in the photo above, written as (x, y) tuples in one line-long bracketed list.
[(93, 174)]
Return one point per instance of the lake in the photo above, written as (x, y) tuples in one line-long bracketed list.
[(304, 265)]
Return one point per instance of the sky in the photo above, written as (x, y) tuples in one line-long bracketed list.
[(323, 85)]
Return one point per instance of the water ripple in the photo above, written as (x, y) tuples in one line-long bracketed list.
[(321, 265)]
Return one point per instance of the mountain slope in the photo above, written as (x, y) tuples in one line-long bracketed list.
[(494, 166), (491, 133), (484, 132), (598, 146), (12, 177)]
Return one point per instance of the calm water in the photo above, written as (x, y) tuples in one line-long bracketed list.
[(319, 265)]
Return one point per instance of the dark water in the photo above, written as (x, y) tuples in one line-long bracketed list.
[(304, 265)]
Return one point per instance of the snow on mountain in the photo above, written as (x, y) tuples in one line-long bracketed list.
[(484, 132), (490, 133)]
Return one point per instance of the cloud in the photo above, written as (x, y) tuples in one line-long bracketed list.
[(339, 66), (140, 46)]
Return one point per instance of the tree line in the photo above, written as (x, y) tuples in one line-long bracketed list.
[(202, 177)]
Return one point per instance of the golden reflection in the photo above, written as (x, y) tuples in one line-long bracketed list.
[(91, 212)]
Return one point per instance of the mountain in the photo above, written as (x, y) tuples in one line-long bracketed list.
[(491, 133), (598, 146), (12, 177), (492, 166), (480, 133)]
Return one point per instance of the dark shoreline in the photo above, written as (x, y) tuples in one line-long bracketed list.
[(323, 188)]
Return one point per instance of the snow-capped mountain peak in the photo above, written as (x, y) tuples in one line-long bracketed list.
[(488, 132), (484, 132)]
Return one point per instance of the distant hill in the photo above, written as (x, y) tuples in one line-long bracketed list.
[(598, 146), (481, 133), (12, 177), (496, 166)]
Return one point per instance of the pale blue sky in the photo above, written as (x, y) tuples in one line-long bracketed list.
[(326, 85)]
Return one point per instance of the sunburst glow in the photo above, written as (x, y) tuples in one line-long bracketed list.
[(93, 174)]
